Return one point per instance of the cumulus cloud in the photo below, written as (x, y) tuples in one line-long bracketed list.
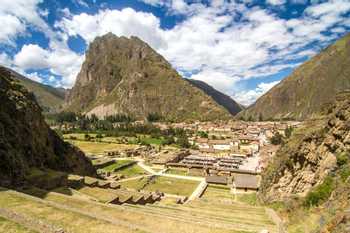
[(248, 97), (220, 81), (125, 22), (32, 56), (27, 14), (34, 76), (59, 60), (5, 60), (276, 2)]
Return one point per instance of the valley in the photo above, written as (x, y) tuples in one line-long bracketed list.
[(135, 146)]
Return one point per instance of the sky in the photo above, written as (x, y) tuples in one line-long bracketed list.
[(241, 48)]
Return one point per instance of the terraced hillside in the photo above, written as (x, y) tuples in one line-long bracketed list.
[(57, 211)]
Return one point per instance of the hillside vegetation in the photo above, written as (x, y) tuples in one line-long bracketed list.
[(25, 139), (310, 174), (49, 98)]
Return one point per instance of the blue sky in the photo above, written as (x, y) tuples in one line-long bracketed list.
[(242, 48)]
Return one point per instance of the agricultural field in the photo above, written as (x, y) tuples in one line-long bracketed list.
[(118, 164), (163, 184), (99, 147), (177, 171), (12, 227), (174, 186), (135, 184), (131, 171)]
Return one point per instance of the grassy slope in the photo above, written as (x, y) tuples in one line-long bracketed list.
[(12, 227), (49, 98), (309, 87)]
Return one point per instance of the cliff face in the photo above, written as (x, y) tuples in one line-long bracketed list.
[(310, 155), (122, 75), (310, 86), (25, 139), (224, 100)]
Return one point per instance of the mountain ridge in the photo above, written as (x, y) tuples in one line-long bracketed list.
[(312, 85), (50, 99), (224, 100)]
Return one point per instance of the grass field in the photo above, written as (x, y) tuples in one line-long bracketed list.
[(131, 171), (177, 171), (98, 147), (172, 186), (217, 192), (8, 226), (100, 194), (136, 184), (116, 165), (59, 217)]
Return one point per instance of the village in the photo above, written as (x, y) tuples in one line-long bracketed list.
[(211, 179), (231, 155)]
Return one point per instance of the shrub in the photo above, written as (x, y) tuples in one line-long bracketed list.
[(276, 139), (344, 173), (320, 193), (342, 158)]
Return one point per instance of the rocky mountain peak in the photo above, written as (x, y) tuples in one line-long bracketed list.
[(125, 75)]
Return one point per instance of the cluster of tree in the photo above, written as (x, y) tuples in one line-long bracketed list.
[(278, 138), (154, 117), (119, 118)]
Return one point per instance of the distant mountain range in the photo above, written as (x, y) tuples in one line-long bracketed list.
[(309, 88), (49, 98), (122, 75), (220, 98)]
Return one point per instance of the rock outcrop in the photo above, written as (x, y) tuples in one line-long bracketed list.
[(126, 76), (308, 88), (310, 155), (25, 139)]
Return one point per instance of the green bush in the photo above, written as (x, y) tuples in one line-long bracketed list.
[(345, 172), (320, 193), (276, 139), (342, 158)]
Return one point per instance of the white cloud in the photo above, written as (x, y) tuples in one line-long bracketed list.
[(5, 60), (81, 3), (219, 81), (126, 22), (32, 56), (35, 77), (276, 2), (59, 60), (248, 97), (13, 27)]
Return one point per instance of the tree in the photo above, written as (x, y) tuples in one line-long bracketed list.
[(153, 117), (276, 139), (261, 118), (183, 141), (288, 131), (203, 134)]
